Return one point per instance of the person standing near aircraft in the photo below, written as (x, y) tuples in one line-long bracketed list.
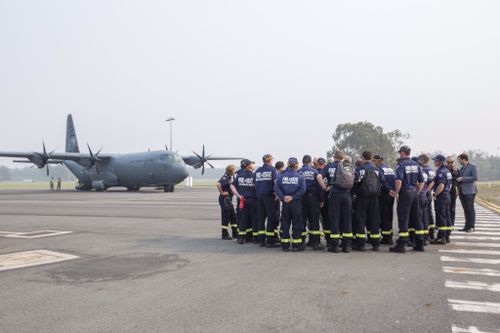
[(226, 203), (265, 176), (442, 186), (290, 188), (59, 183), (51, 183), (386, 199), (244, 189), (467, 178), (325, 221)]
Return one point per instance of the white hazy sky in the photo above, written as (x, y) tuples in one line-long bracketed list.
[(248, 77)]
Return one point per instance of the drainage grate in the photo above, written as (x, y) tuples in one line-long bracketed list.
[(32, 258)]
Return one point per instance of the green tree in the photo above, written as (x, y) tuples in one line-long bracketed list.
[(353, 139), (4, 174)]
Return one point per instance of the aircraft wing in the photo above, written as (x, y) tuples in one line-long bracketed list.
[(41, 159)]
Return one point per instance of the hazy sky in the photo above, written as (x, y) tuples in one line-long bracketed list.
[(248, 77)]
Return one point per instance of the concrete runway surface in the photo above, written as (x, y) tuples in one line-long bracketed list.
[(154, 262)]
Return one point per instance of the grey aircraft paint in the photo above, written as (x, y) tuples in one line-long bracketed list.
[(97, 171)]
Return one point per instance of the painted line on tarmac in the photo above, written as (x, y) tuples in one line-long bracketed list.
[(486, 233), (477, 307), (477, 244), (476, 238), (471, 271), (486, 252), (470, 329), (474, 285), (32, 258), (471, 260)]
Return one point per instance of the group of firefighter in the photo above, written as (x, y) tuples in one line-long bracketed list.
[(348, 204)]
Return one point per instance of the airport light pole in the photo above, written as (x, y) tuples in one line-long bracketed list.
[(170, 121)]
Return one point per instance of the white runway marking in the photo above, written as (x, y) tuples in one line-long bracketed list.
[(488, 238), (478, 307), (471, 329), (475, 285), (486, 252), (33, 234), (479, 244), (487, 233), (32, 258), (471, 260), (471, 271)]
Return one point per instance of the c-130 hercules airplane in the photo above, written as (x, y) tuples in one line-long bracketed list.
[(162, 168)]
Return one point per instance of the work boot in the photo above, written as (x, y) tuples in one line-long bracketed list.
[(248, 238), (375, 245), (333, 246), (400, 246), (431, 234), (447, 238), (285, 248), (225, 235), (419, 245), (241, 240), (387, 240), (358, 245), (318, 247), (438, 241), (271, 244), (346, 245), (235, 233)]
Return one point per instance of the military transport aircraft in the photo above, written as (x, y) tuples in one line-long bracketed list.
[(163, 168)]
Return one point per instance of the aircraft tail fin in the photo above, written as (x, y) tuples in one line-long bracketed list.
[(71, 140)]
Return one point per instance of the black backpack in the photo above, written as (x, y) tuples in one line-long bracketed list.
[(370, 184)]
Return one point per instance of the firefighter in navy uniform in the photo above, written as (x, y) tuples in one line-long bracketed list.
[(423, 161), (450, 163), (265, 176), (290, 188), (339, 205), (442, 186), (409, 182), (312, 202), (367, 186), (238, 211), (386, 199), (325, 221), (430, 199), (228, 219), (243, 187)]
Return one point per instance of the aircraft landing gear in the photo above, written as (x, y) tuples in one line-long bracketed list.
[(133, 189), (168, 188)]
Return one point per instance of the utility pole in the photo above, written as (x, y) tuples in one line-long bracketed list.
[(170, 121)]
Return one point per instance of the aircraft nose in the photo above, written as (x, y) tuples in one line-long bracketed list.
[(182, 172)]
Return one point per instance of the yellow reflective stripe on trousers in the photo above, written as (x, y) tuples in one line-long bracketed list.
[(411, 229), (225, 227), (347, 235), (327, 232), (297, 241), (234, 225), (432, 226), (375, 236), (242, 233), (263, 232), (335, 236), (249, 230), (285, 240), (387, 233), (445, 228), (360, 236), (404, 234), (420, 232), (315, 232), (269, 234)]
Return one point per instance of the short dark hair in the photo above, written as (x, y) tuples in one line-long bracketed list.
[(367, 156), (279, 165), (464, 156)]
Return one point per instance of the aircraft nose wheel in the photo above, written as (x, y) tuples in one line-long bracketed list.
[(168, 188)]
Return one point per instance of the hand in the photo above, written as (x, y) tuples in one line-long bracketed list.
[(225, 194), (321, 204), (392, 194), (460, 179), (396, 195), (288, 199), (276, 198)]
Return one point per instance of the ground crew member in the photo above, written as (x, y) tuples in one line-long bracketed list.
[(367, 186), (430, 199), (280, 168), (290, 188), (409, 182), (386, 199), (238, 211), (243, 187), (51, 183), (265, 176), (226, 203), (442, 186), (428, 173), (59, 183), (450, 163), (325, 221), (339, 206), (312, 202)]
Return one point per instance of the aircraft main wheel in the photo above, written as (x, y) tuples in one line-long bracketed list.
[(133, 189), (168, 188)]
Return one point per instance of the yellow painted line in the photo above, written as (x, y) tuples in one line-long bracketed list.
[(32, 258), (489, 205)]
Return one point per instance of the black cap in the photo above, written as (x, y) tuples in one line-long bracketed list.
[(307, 159), (321, 160), (404, 149), (246, 163), (439, 158), (415, 159), (378, 157), (292, 161)]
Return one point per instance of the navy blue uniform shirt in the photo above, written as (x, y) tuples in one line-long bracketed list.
[(429, 175), (409, 173), (226, 182), (330, 170), (390, 177), (290, 183), (310, 175), (265, 176), (443, 176), (245, 183)]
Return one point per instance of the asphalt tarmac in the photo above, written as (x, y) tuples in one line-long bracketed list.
[(154, 262)]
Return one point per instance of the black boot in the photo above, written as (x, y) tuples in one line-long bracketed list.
[(358, 245), (438, 241), (375, 244), (447, 237), (346, 245), (333, 246), (419, 245), (387, 240), (235, 232), (400, 246), (225, 235), (241, 240), (431, 234)]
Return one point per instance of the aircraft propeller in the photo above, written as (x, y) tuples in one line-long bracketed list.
[(43, 158), (94, 158), (203, 159)]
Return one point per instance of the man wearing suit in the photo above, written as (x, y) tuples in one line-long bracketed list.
[(467, 177)]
